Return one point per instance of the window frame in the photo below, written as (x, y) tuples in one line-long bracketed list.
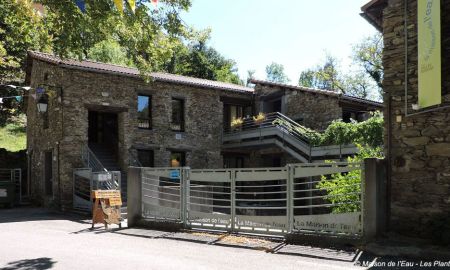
[(183, 158), (151, 152), (182, 113), (149, 119)]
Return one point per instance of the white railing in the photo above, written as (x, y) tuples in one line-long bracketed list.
[(291, 199), (90, 160), (278, 129), (85, 180)]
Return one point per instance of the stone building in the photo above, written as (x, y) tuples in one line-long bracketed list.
[(313, 108), (112, 115), (417, 142)]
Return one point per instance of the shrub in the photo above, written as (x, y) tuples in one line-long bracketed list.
[(369, 132), (343, 188)]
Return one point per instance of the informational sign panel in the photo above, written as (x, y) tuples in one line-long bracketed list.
[(106, 208), (429, 48)]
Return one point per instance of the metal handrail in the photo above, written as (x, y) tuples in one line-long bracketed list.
[(274, 119), (133, 160), (90, 160)]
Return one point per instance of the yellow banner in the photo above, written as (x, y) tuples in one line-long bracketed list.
[(119, 5), (429, 69)]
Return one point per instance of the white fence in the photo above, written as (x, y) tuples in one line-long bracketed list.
[(295, 198)]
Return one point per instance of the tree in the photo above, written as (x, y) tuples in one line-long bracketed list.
[(358, 84), (109, 51), (21, 29), (250, 77), (275, 73), (328, 76), (146, 35), (199, 60), (325, 76), (368, 54)]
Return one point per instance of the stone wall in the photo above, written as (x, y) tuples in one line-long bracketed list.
[(313, 110), (83, 91), (419, 151)]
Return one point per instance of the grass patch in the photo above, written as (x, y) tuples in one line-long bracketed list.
[(13, 137)]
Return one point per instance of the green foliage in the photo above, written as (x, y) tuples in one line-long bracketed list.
[(369, 132), (109, 51), (325, 76), (365, 78), (368, 54), (197, 59), (21, 29), (13, 136), (275, 73), (343, 189)]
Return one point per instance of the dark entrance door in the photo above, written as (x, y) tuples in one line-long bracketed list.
[(103, 130), (48, 173)]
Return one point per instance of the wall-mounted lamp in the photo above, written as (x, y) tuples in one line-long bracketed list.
[(42, 104)]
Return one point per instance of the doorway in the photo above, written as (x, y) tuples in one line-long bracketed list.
[(48, 173), (103, 131), (274, 105)]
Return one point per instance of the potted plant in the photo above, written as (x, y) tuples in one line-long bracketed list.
[(259, 118), (236, 123)]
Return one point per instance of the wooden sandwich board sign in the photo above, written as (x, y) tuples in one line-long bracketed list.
[(106, 208)]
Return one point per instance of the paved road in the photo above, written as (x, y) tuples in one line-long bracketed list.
[(36, 239)]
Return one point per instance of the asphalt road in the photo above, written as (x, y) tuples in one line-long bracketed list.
[(36, 239)]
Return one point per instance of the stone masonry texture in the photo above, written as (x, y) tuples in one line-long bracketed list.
[(80, 91), (419, 144)]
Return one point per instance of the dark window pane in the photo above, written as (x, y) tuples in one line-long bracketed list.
[(144, 112), (177, 114), (177, 159), (146, 158)]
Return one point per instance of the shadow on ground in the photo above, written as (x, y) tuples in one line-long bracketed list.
[(30, 264), (24, 214)]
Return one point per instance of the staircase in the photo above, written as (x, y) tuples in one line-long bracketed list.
[(278, 129), (102, 158), (106, 156)]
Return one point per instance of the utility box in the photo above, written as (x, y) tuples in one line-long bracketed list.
[(7, 193)]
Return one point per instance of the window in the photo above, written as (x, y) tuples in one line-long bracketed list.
[(232, 112), (177, 159), (233, 161), (146, 158), (144, 112), (177, 123)]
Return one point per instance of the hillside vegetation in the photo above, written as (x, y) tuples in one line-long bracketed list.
[(13, 135)]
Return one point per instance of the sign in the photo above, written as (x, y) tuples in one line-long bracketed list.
[(106, 207), (429, 48), (174, 174), (3, 192), (337, 223)]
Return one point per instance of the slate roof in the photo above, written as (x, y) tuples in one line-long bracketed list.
[(133, 72), (322, 92)]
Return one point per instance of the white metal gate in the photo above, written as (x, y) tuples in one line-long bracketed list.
[(161, 194), (295, 198)]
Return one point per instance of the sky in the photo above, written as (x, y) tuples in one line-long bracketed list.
[(294, 33)]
